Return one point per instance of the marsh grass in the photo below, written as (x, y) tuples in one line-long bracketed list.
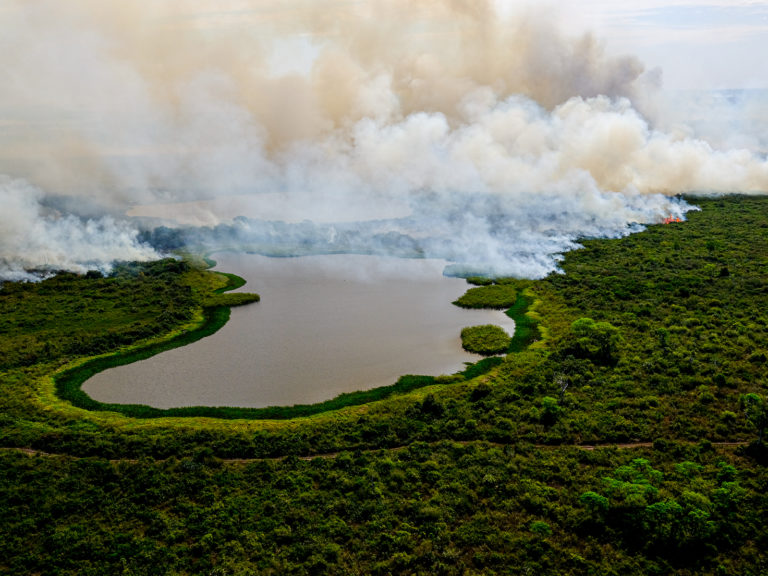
[(487, 340), (494, 296)]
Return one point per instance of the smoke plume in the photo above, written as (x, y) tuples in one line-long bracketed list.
[(35, 238), (498, 140)]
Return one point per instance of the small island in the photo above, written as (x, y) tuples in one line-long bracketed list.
[(486, 340)]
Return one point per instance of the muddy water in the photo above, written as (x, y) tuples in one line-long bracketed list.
[(325, 325)]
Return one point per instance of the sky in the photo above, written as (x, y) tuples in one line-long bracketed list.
[(709, 44), (699, 44)]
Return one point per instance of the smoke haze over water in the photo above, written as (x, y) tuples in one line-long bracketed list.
[(487, 138)]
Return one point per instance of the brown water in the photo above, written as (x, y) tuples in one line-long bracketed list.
[(325, 325)]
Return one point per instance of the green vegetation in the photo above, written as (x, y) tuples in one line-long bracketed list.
[(756, 410), (683, 512), (595, 341), (70, 315), (486, 339), (67, 316), (445, 508), (480, 280), (623, 435), (526, 323), (498, 296)]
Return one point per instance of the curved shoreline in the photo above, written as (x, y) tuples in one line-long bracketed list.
[(68, 384)]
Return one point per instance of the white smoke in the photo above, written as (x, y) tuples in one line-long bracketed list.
[(502, 138), (35, 238)]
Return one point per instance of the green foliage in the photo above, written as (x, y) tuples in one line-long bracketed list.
[(67, 316), (594, 502), (486, 339), (497, 296), (70, 315), (229, 300), (685, 512), (550, 409), (756, 409), (431, 508), (541, 528), (479, 280), (505, 293), (597, 341), (526, 327)]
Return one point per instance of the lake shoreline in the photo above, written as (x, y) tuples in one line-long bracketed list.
[(69, 383)]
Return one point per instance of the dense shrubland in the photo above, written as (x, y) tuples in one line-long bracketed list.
[(444, 508), (658, 340), (70, 315)]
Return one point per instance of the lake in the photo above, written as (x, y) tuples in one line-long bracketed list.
[(325, 325)]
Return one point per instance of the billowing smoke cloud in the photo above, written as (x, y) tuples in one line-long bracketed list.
[(35, 238), (499, 140)]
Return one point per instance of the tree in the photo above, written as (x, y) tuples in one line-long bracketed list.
[(756, 409), (597, 341)]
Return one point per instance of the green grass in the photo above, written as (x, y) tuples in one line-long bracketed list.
[(526, 327), (516, 297)]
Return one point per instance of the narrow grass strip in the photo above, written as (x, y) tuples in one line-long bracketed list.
[(526, 328)]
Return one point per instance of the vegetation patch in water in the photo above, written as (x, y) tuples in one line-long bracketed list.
[(486, 340), (495, 296)]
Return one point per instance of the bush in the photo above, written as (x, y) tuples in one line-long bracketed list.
[(541, 528), (596, 341), (495, 296), (486, 340)]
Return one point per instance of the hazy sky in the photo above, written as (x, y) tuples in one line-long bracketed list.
[(698, 43)]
